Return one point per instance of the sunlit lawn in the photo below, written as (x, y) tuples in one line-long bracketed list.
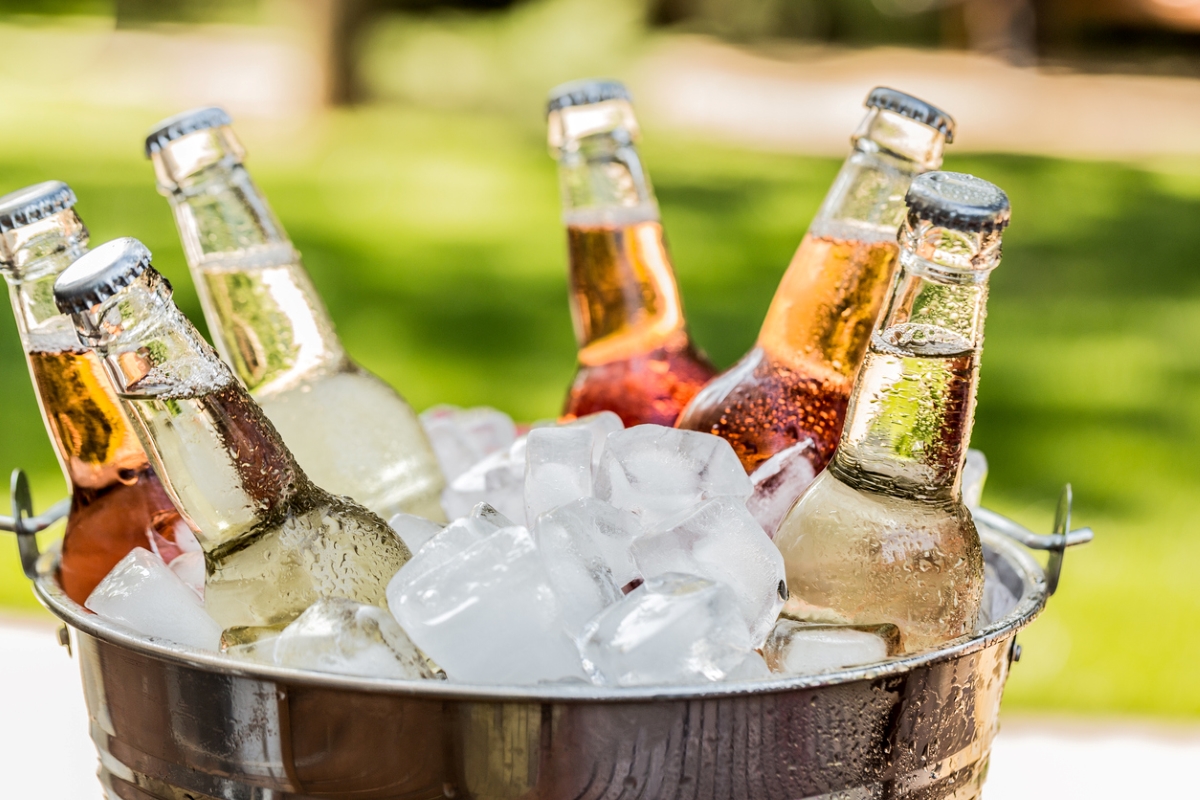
[(435, 241)]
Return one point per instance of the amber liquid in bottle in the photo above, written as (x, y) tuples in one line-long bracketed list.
[(117, 502), (795, 383), (636, 358)]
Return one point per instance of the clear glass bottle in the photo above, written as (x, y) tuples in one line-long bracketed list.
[(273, 541), (352, 432), (117, 502), (882, 535), (635, 355), (795, 383)]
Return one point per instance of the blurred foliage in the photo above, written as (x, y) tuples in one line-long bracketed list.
[(853, 22), (435, 240)]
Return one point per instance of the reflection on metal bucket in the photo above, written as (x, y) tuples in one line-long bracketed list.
[(172, 723)]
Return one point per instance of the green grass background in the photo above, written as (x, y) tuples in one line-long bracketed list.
[(435, 241)]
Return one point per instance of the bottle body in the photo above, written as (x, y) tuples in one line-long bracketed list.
[(883, 535), (350, 431), (117, 501), (794, 385), (861, 547), (274, 542), (636, 357)]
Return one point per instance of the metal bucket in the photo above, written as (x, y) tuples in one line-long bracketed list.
[(172, 723)]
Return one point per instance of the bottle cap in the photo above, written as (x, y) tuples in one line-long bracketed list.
[(959, 202), (100, 274), (28, 205), (912, 107), (586, 92), (172, 128)]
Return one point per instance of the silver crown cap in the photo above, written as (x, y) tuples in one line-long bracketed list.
[(27, 206), (959, 202), (586, 92), (912, 107), (100, 274), (172, 128)]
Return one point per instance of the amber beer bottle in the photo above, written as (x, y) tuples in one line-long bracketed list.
[(794, 384), (352, 432), (882, 535), (273, 541), (117, 502), (635, 355)]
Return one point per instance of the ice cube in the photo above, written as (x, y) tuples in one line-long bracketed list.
[(778, 481), (460, 438), (142, 593), (974, 475), (998, 600), (722, 542), (190, 569), (499, 479), (340, 635), (585, 547), (753, 668), (558, 468), (488, 615), (457, 537), (601, 424), (414, 531), (658, 472), (800, 648), (671, 629)]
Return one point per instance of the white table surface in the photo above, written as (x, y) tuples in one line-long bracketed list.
[(45, 751)]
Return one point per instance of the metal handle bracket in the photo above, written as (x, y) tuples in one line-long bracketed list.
[(1056, 543), (25, 525)]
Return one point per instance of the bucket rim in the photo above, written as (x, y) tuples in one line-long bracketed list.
[(1031, 602)]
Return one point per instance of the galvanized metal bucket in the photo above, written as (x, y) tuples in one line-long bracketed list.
[(172, 723)]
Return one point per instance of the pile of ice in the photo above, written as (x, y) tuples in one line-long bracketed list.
[(579, 552)]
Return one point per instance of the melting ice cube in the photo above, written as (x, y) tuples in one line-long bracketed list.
[(974, 475), (601, 424), (499, 479), (558, 468), (777, 482), (671, 629), (190, 569), (340, 635), (658, 472), (799, 648), (585, 547), (414, 531), (722, 542), (142, 593), (488, 615), (461, 437), (460, 535)]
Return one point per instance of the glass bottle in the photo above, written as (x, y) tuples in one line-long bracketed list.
[(882, 535), (117, 502), (348, 429), (635, 355), (794, 384), (273, 541)]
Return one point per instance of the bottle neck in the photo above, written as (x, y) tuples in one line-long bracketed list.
[(32, 257), (825, 308), (223, 464), (624, 298), (910, 415), (266, 318), (95, 445)]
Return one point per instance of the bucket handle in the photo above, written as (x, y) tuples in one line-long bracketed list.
[(1056, 543), (25, 525)]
